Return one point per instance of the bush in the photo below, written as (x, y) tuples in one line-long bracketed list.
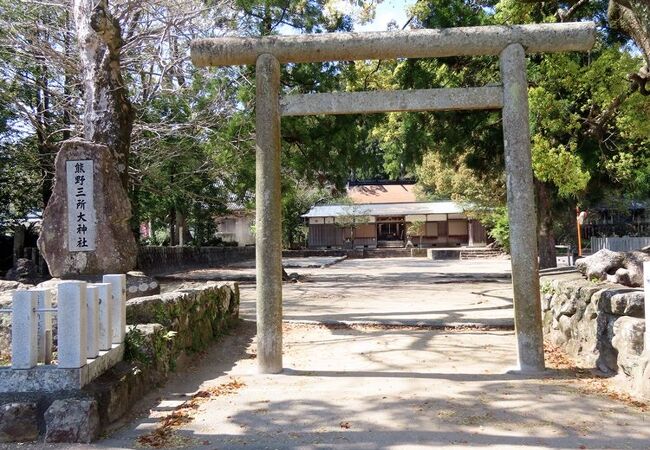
[(500, 228)]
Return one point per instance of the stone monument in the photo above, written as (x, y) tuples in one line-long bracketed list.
[(86, 222)]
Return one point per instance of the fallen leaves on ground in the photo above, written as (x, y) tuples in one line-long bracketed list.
[(164, 435), (589, 381), (345, 425)]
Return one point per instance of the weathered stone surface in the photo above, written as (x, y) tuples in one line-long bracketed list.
[(9, 285), (628, 335), (140, 285), (117, 389), (7, 289), (488, 97), (641, 377), (628, 303), (521, 209), (599, 325), (18, 422), (269, 271), (47, 378), (430, 43), (625, 268), (607, 354), (72, 420), (144, 309), (116, 250)]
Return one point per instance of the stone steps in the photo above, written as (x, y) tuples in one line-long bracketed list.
[(390, 244), (479, 254)]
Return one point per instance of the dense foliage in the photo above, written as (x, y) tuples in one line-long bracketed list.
[(192, 145)]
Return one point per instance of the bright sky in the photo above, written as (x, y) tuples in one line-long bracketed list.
[(387, 11)]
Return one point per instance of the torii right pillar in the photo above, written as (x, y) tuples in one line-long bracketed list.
[(521, 208)]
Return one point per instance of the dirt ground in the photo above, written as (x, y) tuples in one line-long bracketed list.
[(375, 388), (350, 385), (404, 291)]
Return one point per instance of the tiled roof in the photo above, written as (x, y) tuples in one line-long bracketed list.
[(385, 209), (381, 193)]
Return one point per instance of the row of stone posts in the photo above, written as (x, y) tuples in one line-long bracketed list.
[(91, 318)]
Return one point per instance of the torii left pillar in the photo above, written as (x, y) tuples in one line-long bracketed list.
[(268, 212)]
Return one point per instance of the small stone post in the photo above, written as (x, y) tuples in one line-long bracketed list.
[(72, 324), (646, 302), (24, 328), (521, 210), (92, 304), (105, 298), (268, 239), (118, 306), (44, 325)]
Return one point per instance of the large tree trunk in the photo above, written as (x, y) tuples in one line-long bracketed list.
[(109, 116), (633, 18), (46, 149), (545, 236)]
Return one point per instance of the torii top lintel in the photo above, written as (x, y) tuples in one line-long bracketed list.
[(430, 43)]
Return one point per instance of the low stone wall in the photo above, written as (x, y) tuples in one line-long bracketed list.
[(358, 253), (308, 253), (163, 331), (153, 259), (600, 325)]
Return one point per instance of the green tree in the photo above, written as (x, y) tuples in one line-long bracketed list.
[(584, 136)]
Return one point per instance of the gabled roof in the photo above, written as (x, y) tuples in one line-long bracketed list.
[(385, 209), (382, 193)]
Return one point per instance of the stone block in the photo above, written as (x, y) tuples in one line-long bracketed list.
[(603, 297), (607, 354), (587, 290), (118, 306), (628, 335), (226, 294), (569, 307), (24, 330), (111, 391), (628, 303), (628, 341), (105, 297), (18, 422), (140, 285), (557, 303), (564, 323), (72, 420), (50, 378), (144, 309), (73, 324), (92, 321)]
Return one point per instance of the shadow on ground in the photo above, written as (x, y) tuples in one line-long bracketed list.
[(363, 388)]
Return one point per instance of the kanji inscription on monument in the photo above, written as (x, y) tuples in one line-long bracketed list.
[(82, 225)]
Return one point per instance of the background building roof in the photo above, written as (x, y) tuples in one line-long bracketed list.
[(385, 209), (381, 193)]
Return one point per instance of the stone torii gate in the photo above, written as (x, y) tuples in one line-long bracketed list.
[(511, 43)]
